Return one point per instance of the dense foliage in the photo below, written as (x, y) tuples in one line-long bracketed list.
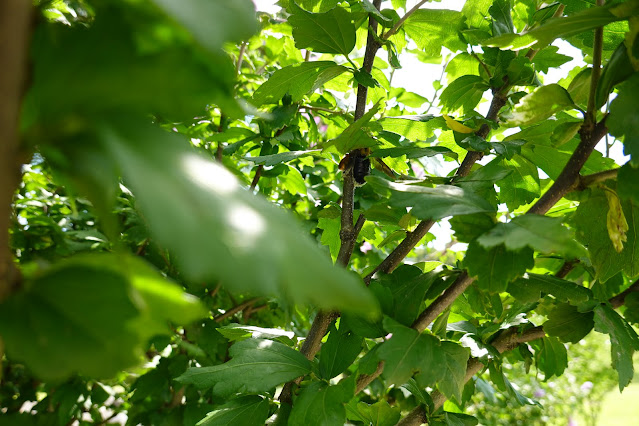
[(190, 171)]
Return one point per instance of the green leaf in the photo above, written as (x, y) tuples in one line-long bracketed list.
[(568, 324), (617, 70), (623, 120), (541, 233), (552, 160), (623, 339), (406, 352), (502, 19), (563, 27), (590, 221), (64, 323), (282, 157), (245, 410), (552, 358), (520, 187), (321, 405), (170, 80), (378, 414), (413, 127), (181, 194), (530, 289), (628, 183), (447, 369), (508, 148), (464, 93), (354, 136), (257, 365), (496, 267), (338, 352), (408, 286), (549, 57), (317, 5), (329, 32), (433, 203), (539, 105), (329, 221), (235, 21), (431, 29), (297, 80), (414, 152), (471, 226)]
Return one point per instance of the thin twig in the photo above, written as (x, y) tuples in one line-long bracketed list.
[(240, 58), (401, 21), (234, 310), (595, 178), (565, 269), (256, 178)]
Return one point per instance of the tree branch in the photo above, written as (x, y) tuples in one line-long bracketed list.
[(234, 310), (507, 341), (568, 179), (15, 32), (348, 232), (595, 178), (620, 299), (396, 257)]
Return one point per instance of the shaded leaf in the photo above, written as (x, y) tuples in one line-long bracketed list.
[(623, 339), (568, 324), (251, 409), (433, 203), (520, 187), (590, 221), (338, 352), (320, 404), (235, 21), (406, 352), (530, 289), (541, 233), (623, 120), (496, 267), (64, 322), (257, 365), (181, 194)]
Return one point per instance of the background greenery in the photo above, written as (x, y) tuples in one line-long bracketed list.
[(187, 181)]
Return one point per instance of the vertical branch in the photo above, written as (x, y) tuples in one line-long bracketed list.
[(597, 49), (347, 233), (15, 19)]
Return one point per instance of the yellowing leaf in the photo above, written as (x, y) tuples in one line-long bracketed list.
[(616, 221), (457, 126)]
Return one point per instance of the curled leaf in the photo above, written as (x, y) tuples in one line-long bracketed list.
[(616, 221)]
